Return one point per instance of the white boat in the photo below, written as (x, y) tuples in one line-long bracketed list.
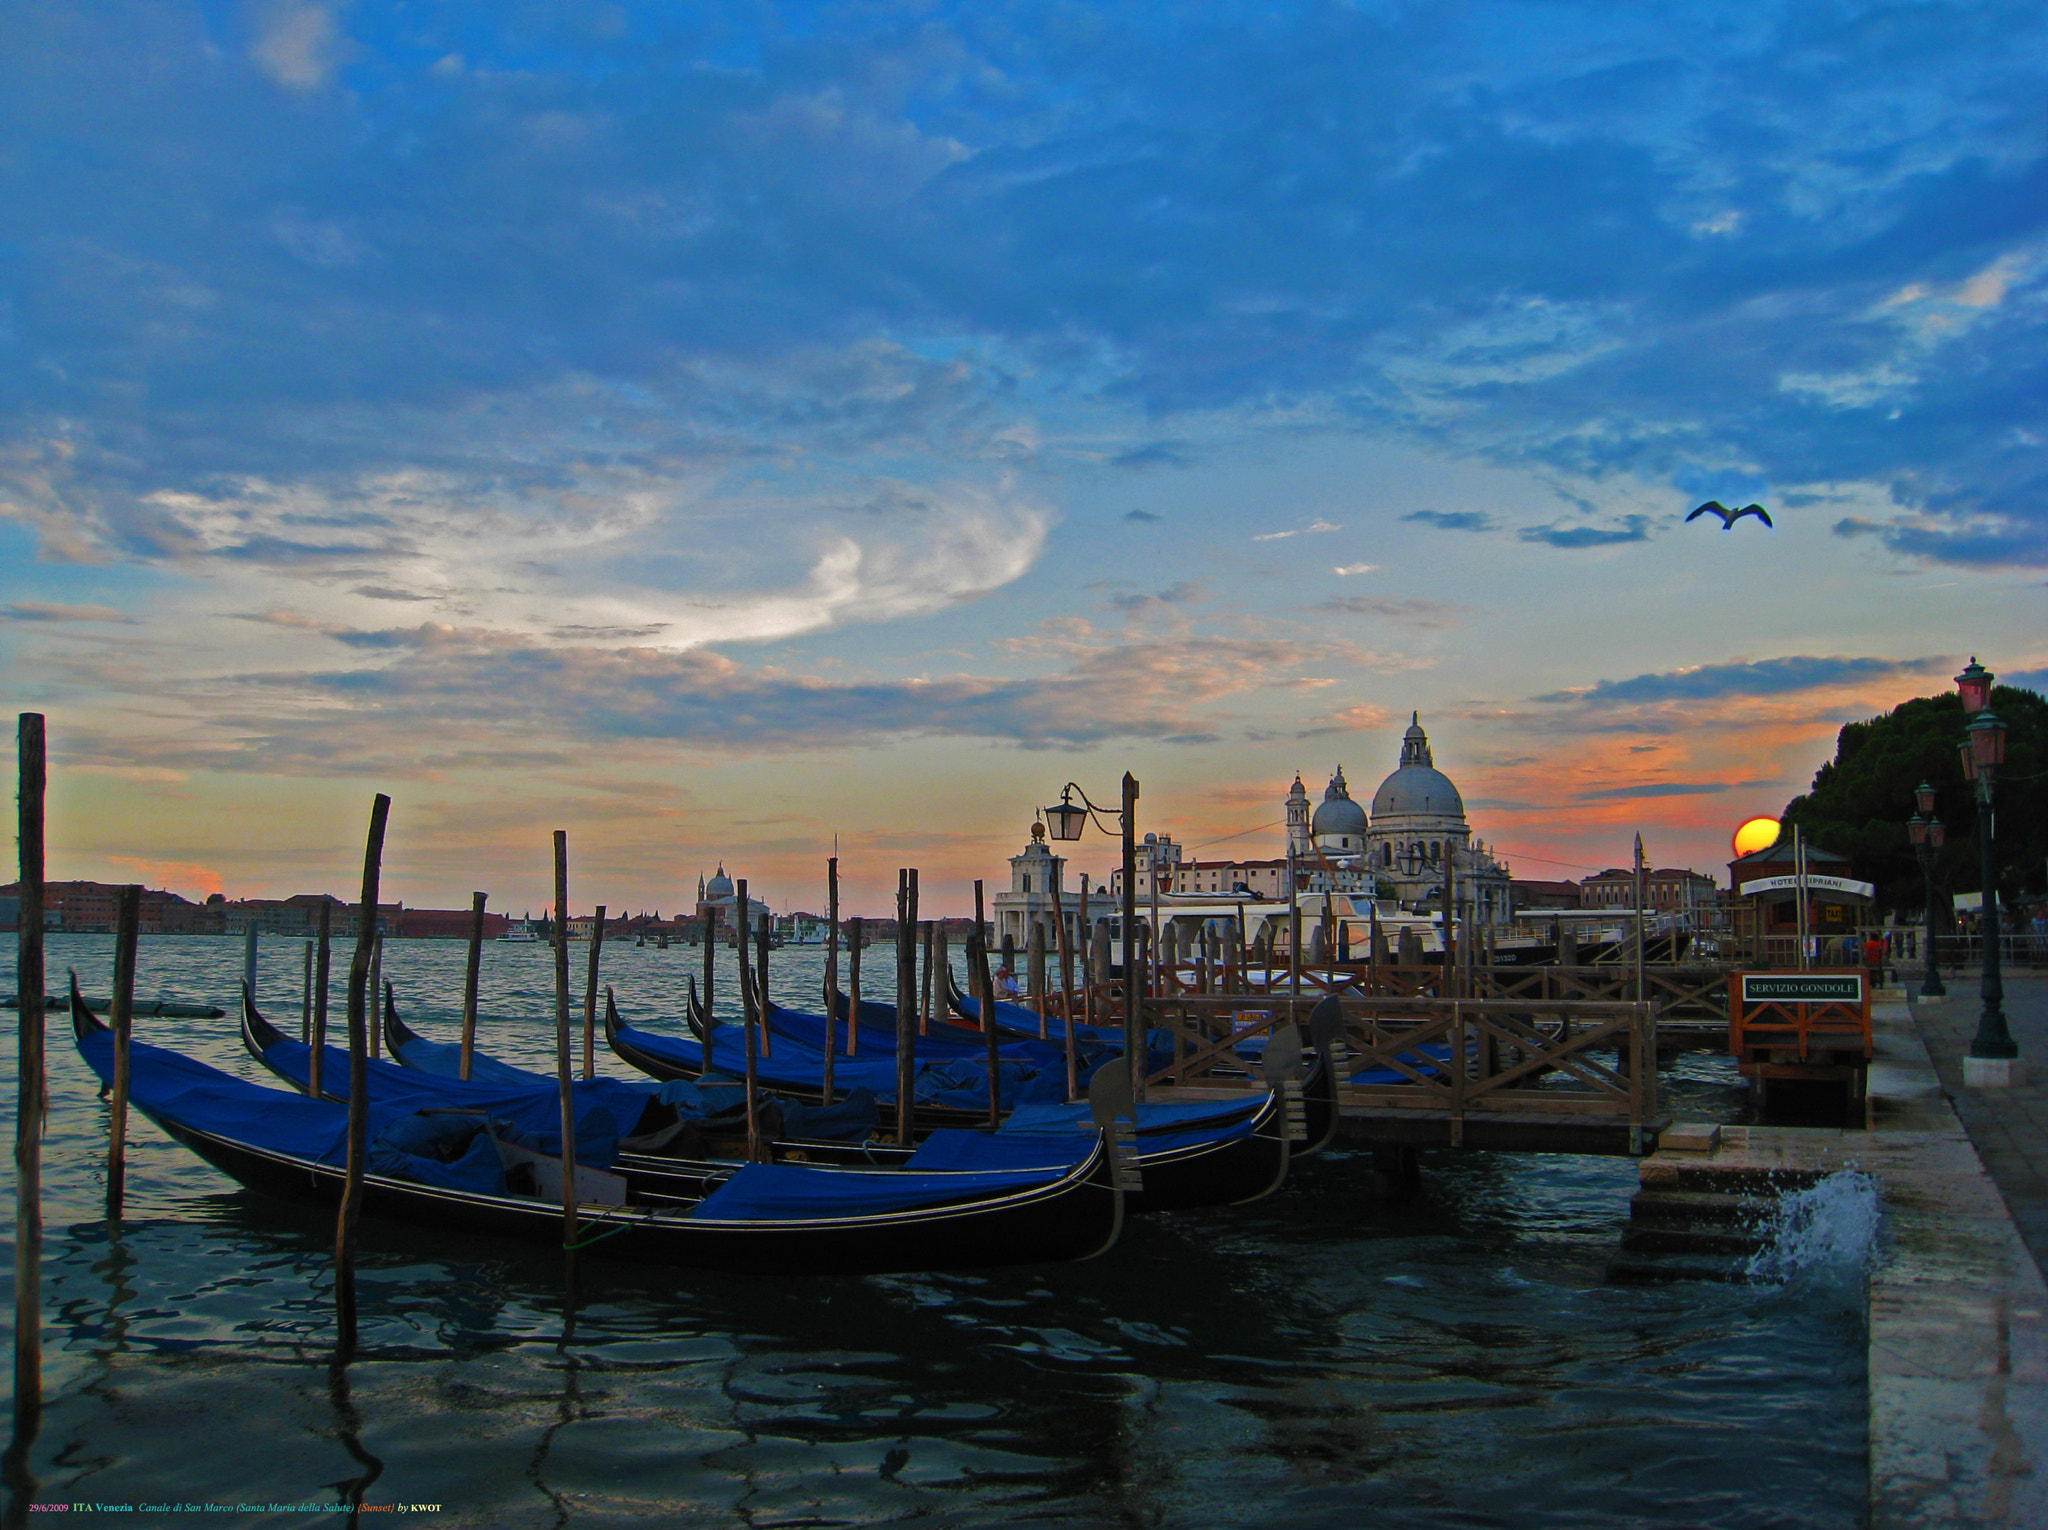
[(519, 931)]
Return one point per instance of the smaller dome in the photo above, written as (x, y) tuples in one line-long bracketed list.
[(1338, 814)]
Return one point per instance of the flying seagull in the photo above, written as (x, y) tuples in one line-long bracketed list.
[(1730, 517)]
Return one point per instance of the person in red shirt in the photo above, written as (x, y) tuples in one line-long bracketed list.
[(1873, 959)]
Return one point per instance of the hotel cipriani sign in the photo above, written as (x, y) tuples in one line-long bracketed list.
[(1814, 884)]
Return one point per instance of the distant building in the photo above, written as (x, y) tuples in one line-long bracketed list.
[(1035, 874), (1531, 893)]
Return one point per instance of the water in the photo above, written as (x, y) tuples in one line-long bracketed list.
[(1319, 1359)]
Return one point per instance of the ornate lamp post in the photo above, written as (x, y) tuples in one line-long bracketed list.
[(1928, 836), (1993, 1058), (1065, 820)]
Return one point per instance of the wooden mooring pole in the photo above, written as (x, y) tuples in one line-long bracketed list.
[(564, 1080), (765, 929), (469, 980), (856, 937), (832, 970), (358, 1087), (906, 995), (748, 1035), (984, 995), (121, 1016), (710, 968), (322, 954), (28, 1099), (590, 996), (1059, 919)]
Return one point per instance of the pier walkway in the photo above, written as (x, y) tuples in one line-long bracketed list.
[(2008, 1127)]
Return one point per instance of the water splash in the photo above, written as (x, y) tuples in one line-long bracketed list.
[(1827, 1230)]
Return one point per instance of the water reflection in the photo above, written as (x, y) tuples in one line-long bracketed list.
[(1321, 1358)]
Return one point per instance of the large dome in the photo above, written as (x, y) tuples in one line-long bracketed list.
[(1418, 788), (1337, 814), (720, 886)]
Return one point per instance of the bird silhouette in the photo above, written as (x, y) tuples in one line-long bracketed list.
[(1730, 517)]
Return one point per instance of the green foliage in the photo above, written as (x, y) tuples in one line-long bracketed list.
[(1861, 799)]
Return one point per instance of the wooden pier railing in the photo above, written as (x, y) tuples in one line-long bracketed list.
[(1558, 1073)]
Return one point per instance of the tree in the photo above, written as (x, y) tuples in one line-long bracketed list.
[(1861, 799)]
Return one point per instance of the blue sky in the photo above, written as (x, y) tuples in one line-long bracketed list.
[(711, 429)]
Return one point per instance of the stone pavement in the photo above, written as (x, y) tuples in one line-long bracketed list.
[(2008, 1127)]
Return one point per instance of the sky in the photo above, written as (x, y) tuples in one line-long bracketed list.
[(724, 431)]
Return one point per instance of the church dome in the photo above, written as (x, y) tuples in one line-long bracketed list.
[(720, 886), (1418, 788), (1338, 814)]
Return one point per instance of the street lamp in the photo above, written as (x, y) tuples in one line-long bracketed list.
[(1993, 1058), (1065, 820), (1928, 835)]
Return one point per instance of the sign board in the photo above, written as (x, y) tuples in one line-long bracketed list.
[(1813, 884), (1802, 988)]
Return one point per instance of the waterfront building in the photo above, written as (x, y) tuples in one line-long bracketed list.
[(1034, 874), (1419, 834), (718, 895)]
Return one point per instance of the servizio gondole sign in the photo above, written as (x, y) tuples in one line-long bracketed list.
[(1802, 988)]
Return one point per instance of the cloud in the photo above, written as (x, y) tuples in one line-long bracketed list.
[(1346, 570), (1417, 613), (1658, 789), (1140, 517), (446, 695), (1175, 454), (51, 611), (1765, 677), (1358, 718), (1310, 529), (1633, 528), (1452, 520), (1183, 592), (297, 43)]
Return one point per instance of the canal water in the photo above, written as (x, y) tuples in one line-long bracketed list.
[(1321, 1358)]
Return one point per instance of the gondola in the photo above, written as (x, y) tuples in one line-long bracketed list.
[(790, 1071), (1214, 1153), (762, 1218)]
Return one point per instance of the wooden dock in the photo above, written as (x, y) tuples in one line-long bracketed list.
[(1561, 1075)]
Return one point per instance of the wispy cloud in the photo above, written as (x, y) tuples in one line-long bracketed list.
[(1346, 570), (1763, 677), (1415, 613), (1452, 520), (1632, 528), (1654, 789), (52, 611), (1311, 529)]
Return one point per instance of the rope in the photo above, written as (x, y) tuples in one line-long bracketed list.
[(599, 1237)]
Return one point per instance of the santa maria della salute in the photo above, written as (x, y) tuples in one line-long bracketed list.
[(1412, 843)]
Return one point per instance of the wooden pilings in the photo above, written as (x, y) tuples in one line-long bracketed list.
[(765, 929), (470, 973), (1059, 919), (977, 974), (322, 951), (832, 971), (29, 1104), (358, 1086), (121, 1016), (1034, 973), (906, 996), (710, 968), (855, 939), (564, 1082), (748, 1034), (590, 996)]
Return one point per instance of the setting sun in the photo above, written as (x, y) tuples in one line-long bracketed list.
[(1756, 834)]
